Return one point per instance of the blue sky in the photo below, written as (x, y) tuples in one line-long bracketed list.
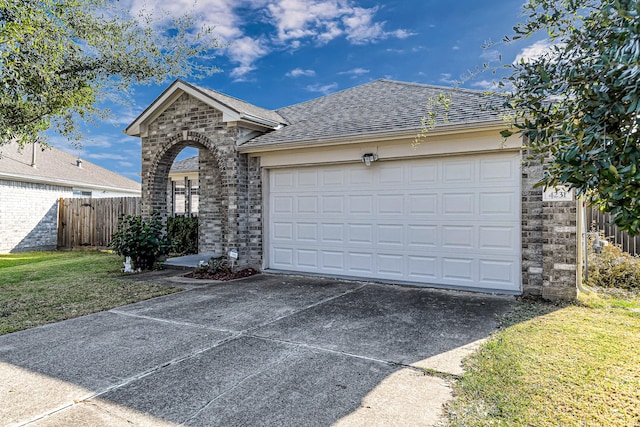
[(282, 52)]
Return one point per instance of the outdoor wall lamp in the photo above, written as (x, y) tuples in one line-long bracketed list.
[(368, 158)]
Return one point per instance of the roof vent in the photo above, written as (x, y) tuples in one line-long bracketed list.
[(79, 163)]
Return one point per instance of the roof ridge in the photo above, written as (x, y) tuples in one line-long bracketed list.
[(432, 86)]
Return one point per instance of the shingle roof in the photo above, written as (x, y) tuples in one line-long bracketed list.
[(242, 106), (187, 165), (57, 167), (379, 106)]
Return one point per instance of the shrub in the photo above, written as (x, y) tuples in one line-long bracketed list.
[(214, 266), (614, 268), (183, 234), (141, 239)]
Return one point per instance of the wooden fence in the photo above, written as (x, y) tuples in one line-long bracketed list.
[(89, 222), (601, 221)]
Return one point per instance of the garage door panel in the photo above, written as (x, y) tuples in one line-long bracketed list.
[(390, 204), (502, 238), (445, 221), (360, 205), (308, 178), (391, 235), (307, 259), (282, 180), (496, 271), (307, 232), (458, 204), (332, 205), (332, 233), (283, 205), (307, 205), (458, 269), (422, 237), (497, 171), (332, 261), (458, 237), (423, 174), (390, 265), (422, 267), (498, 203), (282, 258), (283, 231), (423, 204), (360, 263), (333, 177), (360, 234)]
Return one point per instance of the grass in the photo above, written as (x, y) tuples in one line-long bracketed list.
[(44, 287), (556, 365)]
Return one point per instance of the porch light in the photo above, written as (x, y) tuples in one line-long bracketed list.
[(369, 158)]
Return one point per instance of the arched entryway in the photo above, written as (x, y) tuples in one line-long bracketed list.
[(213, 203)]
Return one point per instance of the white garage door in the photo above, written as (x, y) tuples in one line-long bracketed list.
[(452, 221)]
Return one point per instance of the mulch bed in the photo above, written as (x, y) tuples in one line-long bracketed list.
[(222, 275)]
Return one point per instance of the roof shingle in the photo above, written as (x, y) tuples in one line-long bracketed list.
[(55, 166), (379, 106)]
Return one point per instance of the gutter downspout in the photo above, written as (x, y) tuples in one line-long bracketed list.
[(582, 246)]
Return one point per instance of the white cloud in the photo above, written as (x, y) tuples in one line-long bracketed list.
[(490, 85), (325, 20), (246, 51), (299, 72), (294, 22), (323, 89), (355, 72), (533, 52), (446, 79), (490, 55)]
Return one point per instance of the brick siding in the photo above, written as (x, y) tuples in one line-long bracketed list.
[(29, 215)]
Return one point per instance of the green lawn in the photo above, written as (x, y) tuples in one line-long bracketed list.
[(44, 287), (571, 365)]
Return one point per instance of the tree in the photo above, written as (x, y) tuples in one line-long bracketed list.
[(578, 105), (60, 58)]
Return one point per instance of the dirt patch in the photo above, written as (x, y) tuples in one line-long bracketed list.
[(222, 274)]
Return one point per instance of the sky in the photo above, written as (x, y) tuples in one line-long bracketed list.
[(282, 52)]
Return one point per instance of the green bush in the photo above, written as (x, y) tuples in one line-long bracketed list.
[(614, 268), (183, 234), (141, 239)]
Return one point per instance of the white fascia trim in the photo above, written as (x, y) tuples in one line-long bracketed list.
[(374, 137), (64, 183)]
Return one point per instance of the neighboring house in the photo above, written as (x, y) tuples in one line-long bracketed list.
[(336, 186), (184, 187), (33, 180)]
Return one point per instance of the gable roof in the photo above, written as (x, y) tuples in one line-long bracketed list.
[(378, 107), (55, 167), (186, 165), (233, 109)]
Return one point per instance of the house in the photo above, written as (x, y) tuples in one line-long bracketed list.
[(184, 198), (33, 179), (336, 186)]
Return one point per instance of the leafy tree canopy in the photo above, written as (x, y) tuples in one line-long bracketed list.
[(60, 58), (578, 105)]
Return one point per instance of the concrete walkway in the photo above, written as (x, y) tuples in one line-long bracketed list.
[(266, 350)]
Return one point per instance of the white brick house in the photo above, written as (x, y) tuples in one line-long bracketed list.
[(335, 186), (31, 183)]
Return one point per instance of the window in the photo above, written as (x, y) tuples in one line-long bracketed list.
[(81, 193)]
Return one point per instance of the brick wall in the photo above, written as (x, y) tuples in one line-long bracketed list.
[(226, 202), (29, 215), (549, 240)]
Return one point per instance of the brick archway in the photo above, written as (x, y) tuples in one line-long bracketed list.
[(230, 208), (213, 225)]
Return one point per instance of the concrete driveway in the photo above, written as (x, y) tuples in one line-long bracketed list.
[(267, 350)]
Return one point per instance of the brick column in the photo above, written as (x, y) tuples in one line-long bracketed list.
[(559, 250)]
